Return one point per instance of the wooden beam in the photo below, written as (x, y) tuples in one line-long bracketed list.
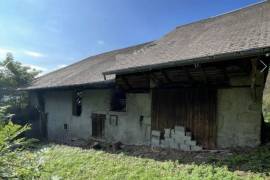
[(225, 75), (125, 80), (166, 76), (253, 78), (153, 77), (189, 77), (205, 79)]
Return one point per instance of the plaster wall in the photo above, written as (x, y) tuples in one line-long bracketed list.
[(239, 115), (133, 126)]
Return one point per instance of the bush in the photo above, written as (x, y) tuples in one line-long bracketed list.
[(14, 162)]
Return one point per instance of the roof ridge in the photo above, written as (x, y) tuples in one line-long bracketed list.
[(223, 14)]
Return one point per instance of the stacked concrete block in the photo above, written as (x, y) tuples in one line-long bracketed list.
[(167, 133), (176, 138), (184, 147), (155, 138), (195, 148), (188, 133)]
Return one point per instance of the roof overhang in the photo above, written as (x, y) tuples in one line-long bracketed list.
[(94, 85), (214, 58)]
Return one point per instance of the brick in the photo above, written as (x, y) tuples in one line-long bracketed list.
[(195, 148), (156, 133), (188, 134), (180, 140), (167, 133), (185, 147), (178, 135), (191, 143), (179, 129), (155, 142), (165, 143)]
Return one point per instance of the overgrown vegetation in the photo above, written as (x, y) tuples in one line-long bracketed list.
[(63, 162), (15, 162)]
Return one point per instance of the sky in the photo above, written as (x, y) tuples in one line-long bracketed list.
[(51, 34)]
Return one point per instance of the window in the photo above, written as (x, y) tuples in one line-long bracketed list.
[(118, 100), (77, 103)]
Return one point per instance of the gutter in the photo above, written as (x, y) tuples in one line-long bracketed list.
[(206, 59)]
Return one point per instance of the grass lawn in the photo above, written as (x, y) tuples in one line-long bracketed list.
[(64, 162)]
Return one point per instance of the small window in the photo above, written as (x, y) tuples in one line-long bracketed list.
[(118, 100), (77, 103)]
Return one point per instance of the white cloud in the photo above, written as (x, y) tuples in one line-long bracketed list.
[(61, 65), (39, 68), (100, 42), (33, 54), (3, 52)]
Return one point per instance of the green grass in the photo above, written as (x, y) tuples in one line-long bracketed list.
[(63, 162)]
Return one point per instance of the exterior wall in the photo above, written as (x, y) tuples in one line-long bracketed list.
[(238, 116), (129, 130)]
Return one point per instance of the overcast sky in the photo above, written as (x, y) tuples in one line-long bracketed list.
[(50, 34)]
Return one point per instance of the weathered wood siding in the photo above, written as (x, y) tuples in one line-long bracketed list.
[(193, 108)]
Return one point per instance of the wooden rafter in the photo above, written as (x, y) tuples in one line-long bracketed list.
[(125, 80), (153, 77), (166, 76), (205, 79), (224, 72), (189, 77)]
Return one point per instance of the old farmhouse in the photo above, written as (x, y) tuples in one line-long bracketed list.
[(198, 87)]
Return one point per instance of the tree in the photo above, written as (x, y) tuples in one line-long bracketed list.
[(14, 75)]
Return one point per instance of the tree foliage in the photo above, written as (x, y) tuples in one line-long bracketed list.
[(14, 162), (14, 75)]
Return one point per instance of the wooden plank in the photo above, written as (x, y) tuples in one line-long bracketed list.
[(194, 108)]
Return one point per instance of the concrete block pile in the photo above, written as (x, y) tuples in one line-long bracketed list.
[(176, 138)]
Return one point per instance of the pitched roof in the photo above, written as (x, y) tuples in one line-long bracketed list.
[(86, 72), (240, 31)]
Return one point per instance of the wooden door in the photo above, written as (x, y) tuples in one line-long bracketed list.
[(193, 108), (98, 125)]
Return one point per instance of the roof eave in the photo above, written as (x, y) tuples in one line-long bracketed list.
[(206, 59), (93, 85)]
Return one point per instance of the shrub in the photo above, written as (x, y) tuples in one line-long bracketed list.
[(14, 162)]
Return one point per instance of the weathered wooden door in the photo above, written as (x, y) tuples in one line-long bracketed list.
[(98, 125), (193, 108)]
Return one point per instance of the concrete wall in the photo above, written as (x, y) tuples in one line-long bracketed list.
[(239, 115), (130, 130)]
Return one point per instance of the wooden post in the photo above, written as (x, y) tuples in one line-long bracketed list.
[(253, 78)]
